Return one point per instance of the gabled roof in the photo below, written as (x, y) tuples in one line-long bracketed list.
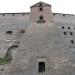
[(38, 4)]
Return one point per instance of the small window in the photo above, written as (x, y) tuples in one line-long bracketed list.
[(64, 15), (9, 32), (71, 33), (69, 28), (65, 33), (3, 14), (2, 69), (13, 14), (22, 31), (63, 27), (41, 9), (54, 14), (41, 67), (23, 14), (41, 17), (72, 42)]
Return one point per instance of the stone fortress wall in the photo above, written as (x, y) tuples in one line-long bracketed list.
[(66, 25), (51, 43), (14, 22)]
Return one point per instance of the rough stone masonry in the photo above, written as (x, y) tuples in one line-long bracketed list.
[(40, 42)]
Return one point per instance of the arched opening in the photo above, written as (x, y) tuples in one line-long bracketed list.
[(8, 54), (8, 57)]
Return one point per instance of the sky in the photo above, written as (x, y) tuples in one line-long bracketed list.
[(58, 6)]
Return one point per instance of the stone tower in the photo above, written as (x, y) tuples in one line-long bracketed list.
[(41, 13)]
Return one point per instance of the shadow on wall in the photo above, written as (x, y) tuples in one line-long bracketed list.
[(9, 51)]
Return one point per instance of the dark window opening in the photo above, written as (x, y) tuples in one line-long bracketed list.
[(72, 42), (22, 31), (9, 32), (13, 14), (54, 14), (3, 14), (65, 33), (63, 27), (41, 9), (2, 69), (23, 14), (41, 17), (64, 15), (69, 28), (15, 46), (71, 33), (41, 67)]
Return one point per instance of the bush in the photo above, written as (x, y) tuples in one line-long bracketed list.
[(5, 60)]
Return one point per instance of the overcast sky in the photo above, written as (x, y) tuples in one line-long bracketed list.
[(58, 6)]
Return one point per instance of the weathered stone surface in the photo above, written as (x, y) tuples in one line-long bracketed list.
[(41, 42)]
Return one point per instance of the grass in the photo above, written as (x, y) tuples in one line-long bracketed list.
[(5, 60)]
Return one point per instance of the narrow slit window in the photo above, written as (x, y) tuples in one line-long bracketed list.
[(72, 42), (41, 67)]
